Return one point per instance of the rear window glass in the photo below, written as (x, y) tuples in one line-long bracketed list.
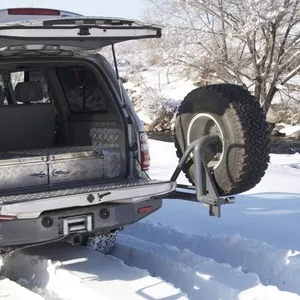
[(82, 89)]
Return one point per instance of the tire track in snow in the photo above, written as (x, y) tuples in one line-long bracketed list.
[(199, 277), (84, 274), (273, 266)]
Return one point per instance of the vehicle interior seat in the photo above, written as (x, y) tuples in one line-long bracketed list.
[(27, 124)]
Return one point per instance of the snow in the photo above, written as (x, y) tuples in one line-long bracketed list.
[(10, 290), (275, 200), (289, 130), (156, 88), (251, 252), (196, 275), (83, 273)]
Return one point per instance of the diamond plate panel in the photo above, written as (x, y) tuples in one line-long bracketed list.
[(76, 169), (106, 134), (112, 163), (10, 198), (102, 159), (51, 151), (23, 175)]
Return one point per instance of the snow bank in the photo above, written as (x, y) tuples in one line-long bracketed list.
[(83, 274), (10, 290), (45, 277)]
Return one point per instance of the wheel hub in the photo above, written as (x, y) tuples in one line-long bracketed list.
[(205, 124)]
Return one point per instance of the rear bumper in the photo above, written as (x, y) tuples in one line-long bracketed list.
[(32, 205), (51, 226)]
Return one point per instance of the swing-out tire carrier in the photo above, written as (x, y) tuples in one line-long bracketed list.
[(205, 190)]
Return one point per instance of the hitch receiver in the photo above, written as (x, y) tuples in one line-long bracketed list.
[(205, 190)]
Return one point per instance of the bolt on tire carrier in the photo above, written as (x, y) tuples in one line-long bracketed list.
[(205, 190)]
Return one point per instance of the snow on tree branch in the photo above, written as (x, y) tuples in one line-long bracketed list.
[(250, 42)]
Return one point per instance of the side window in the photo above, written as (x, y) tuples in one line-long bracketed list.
[(3, 91), (82, 89), (17, 77)]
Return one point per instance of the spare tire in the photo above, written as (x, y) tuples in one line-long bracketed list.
[(236, 116)]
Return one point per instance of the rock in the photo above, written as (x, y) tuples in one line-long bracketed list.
[(277, 133), (279, 127), (159, 128), (296, 135)]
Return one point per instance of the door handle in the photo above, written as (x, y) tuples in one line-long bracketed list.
[(60, 172), (39, 175)]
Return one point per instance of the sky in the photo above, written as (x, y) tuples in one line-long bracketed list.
[(113, 8)]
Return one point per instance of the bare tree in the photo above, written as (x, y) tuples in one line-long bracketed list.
[(254, 43)]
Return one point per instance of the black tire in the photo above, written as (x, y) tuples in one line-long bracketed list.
[(245, 135), (103, 243)]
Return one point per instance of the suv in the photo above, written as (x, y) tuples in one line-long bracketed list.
[(73, 154)]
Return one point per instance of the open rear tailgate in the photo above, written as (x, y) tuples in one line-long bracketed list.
[(86, 33)]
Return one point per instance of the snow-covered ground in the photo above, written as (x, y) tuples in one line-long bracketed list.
[(180, 252)]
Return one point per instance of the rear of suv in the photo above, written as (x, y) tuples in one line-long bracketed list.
[(74, 156)]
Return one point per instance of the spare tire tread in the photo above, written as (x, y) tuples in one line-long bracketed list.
[(251, 130)]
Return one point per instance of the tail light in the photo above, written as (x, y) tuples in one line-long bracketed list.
[(7, 218), (145, 210), (145, 154)]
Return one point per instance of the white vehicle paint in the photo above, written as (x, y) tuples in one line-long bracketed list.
[(71, 32)]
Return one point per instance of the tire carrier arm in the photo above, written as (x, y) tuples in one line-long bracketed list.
[(205, 190)]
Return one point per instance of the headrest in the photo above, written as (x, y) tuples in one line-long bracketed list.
[(29, 91)]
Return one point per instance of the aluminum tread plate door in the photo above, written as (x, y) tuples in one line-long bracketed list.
[(68, 170), (58, 166), (23, 175)]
